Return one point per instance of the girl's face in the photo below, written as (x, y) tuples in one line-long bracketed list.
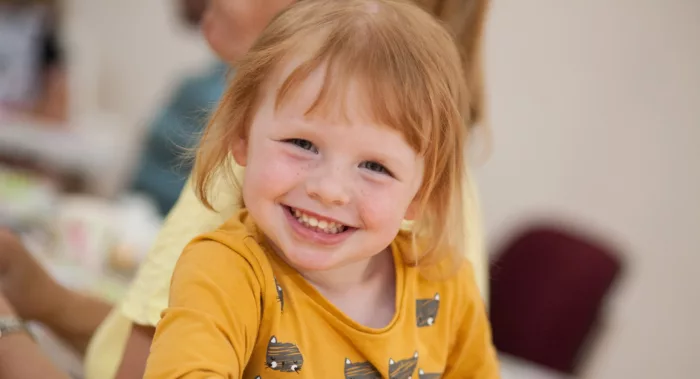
[(326, 191), (232, 26)]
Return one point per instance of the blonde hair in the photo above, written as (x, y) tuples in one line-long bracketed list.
[(410, 68)]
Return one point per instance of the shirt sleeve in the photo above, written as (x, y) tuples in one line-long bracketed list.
[(472, 354), (210, 326), (147, 295)]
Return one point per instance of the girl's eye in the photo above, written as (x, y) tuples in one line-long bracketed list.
[(376, 167), (302, 143)]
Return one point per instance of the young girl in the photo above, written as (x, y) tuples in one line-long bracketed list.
[(349, 117)]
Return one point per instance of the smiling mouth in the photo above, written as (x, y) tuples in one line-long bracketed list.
[(316, 224)]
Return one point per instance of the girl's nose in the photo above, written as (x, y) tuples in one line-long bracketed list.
[(328, 187)]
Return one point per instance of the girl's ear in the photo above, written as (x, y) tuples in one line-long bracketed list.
[(412, 211), (240, 151)]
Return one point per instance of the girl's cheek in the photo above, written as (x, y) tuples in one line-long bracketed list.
[(379, 203), (279, 166)]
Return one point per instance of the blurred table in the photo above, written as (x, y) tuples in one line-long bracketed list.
[(90, 147), (515, 368), (88, 243)]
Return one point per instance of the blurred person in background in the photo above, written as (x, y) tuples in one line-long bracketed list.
[(115, 341), (161, 172)]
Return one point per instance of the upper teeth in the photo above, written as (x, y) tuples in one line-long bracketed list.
[(322, 225)]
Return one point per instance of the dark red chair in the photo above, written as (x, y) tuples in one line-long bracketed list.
[(547, 289)]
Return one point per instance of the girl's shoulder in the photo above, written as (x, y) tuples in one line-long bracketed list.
[(233, 247), (450, 282), (238, 233)]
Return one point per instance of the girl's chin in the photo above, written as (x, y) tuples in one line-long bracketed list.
[(310, 261)]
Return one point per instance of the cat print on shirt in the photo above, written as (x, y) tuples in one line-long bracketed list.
[(427, 310), (403, 369), (280, 295), (360, 370), (424, 375), (283, 356)]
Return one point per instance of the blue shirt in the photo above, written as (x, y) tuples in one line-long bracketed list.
[(163, 169)]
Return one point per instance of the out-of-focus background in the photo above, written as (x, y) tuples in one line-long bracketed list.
[(590, 194)]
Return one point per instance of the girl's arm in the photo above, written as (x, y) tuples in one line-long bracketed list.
[(77, 319), (20, 356), (472, 354), (211, 324), (36, 296), (138, 345)]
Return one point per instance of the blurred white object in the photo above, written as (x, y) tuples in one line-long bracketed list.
[(85, 231), (138, 226), (93, 229)]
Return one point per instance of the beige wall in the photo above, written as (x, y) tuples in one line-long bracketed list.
[(126, 55), (596, 117)]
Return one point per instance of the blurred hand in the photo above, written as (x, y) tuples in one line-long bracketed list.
[(28, 288)]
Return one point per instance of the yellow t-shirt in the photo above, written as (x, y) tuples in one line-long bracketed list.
[(238, 311), (147, 296)]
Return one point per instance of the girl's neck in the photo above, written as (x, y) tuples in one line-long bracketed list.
[(373, 281), (342, 281), (364, 291)]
